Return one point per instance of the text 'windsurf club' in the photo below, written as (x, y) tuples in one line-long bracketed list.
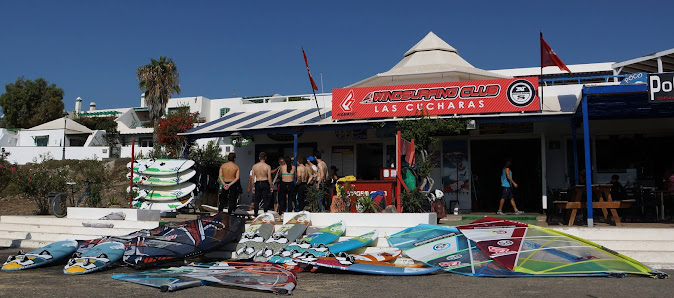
[(467, 97)]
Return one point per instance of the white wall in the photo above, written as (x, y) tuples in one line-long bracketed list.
[(55, 137), (8, 138), (97, 138), (23, 155)]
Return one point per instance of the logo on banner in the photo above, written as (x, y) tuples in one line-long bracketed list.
[(498, 250), (521, 93), (504, 243), (347, 104)]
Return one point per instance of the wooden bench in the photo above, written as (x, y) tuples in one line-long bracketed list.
[(605, 206)]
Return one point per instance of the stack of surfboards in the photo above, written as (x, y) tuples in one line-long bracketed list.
[(162, 184)]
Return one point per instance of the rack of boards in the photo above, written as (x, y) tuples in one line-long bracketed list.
[(162, 184)]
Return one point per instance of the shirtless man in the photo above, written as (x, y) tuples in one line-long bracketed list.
[(302, 178), (231, 186), (262, 173), (323, 177), (322, 169)]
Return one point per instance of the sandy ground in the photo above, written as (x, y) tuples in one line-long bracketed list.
[(51, 282)]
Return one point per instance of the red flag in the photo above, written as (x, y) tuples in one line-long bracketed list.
[(407, 149), (549, 57), (313, 84)]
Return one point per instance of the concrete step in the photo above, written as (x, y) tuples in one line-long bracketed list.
[(64, 229), (26, 244), (613, 233), (369, 219), (651, 257), (54, 221), (14, 235), (642, 245), (96, 213)]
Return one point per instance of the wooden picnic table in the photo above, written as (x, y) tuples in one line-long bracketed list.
[(607, 206)]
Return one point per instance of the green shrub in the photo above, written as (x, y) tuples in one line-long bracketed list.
[(412, 200)]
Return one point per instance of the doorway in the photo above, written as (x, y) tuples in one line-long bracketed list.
[(369, 158), (487, 160)]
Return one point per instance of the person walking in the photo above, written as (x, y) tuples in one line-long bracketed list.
[(287, 189), (507, 185), (231, 187), (262, 172)]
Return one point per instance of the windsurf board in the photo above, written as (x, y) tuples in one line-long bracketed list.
[(257, 233), (369, 267), (164, 193), (321, 237), (344, 246), (160, 166), (288, 233), (165, 180), (141, 203), (97, 258), (42, 256)]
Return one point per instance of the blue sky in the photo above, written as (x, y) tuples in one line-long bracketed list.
[(92, 49)]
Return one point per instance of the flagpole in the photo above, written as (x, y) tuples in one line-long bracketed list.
[(316, 100), (311, 80), (542, 83)]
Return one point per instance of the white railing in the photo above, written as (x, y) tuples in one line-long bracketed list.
[(126, 151), (26, 154)]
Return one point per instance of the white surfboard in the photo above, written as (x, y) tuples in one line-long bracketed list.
[(164, 193), (162, 180), (160, 166), (162, 206)]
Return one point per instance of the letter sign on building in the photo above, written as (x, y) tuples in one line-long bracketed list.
[(468, 97), (661, 87)]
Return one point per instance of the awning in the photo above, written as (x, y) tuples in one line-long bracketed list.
[(662, 61), (241, 122)]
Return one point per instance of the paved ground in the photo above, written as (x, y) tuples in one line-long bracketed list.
[(51, 282)]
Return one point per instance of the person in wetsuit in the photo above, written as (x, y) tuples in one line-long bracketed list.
[(262, 174), (287, 190)]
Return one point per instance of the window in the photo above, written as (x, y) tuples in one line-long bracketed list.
[(178, 109), (146, 142), (223, 111), (41, 141)]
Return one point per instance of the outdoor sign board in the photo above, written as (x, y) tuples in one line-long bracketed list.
[(661, 87), (448, 98)]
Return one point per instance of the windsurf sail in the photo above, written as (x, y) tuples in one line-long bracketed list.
[(185, 240), (500, 248), (259, 276)]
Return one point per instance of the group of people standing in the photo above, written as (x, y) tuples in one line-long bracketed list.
[(292, 182)]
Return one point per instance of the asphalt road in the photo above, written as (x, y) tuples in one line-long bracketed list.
[(51, 282)]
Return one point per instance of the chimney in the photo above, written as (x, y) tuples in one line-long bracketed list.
[(92, 106), (78, 105), (142, 100)]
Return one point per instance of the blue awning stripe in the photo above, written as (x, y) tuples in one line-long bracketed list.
[(224, 118), (267, 118), (235, 122), (293, 118), (316, 119)]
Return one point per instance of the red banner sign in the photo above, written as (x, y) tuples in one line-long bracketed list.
[(467, 97)]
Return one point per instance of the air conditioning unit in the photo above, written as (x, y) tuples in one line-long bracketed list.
[(471, 124)]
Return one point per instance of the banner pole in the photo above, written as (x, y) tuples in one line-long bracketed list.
[(133, 147)]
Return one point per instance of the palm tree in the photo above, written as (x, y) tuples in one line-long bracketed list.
[(158, 80)]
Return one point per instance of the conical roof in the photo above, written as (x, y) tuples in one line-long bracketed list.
[(431, 60), (431, 42), (71, 126)]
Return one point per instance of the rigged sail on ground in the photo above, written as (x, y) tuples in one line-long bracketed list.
[(185, 240), (502, 248)]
